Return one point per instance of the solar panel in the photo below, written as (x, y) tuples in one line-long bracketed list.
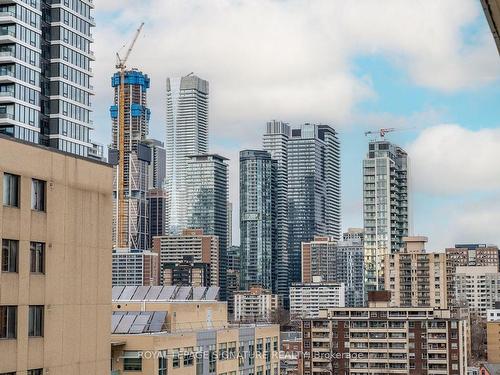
[(166, 293), (198, 292), (116, 291), (140, 293), (115, 319), (125, 324), (127, 293), (157, 321), (212, 293), (183, 293), (140, 323), (153, 293)]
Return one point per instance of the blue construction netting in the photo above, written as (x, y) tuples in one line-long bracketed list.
[(132, 77)]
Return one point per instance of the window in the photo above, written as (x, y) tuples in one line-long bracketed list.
[(10, 190), (188, 357), (176, 363), (38, 371), (162, 365), (35, 327), (8, 324), (132, 364), (37, 195), (37, 257), (10, 255), (212, 359)]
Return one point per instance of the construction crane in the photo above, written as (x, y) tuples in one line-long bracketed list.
[(121, 66), (382, 132)]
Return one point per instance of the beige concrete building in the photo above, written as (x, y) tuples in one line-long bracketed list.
[(380, 339), (55, 276), (255, 305), (191, 242), (155, 334), (493, 334), (415, 277)]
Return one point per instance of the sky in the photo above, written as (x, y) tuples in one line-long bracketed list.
[(428, 68)]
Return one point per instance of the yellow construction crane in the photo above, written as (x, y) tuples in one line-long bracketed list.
[(120, 65)]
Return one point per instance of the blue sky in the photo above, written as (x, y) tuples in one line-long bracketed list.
[(429, 68)]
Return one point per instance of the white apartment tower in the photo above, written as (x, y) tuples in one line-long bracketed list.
[(187, 135)]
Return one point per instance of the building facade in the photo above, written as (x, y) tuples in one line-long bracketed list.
[(158, 165), (380, 339), (46, 70), (135, 267), (207, 193), (258, 252), (187, 332), (158, 206), (233, 276), (493, 334), (415, 277), (55, 229), (336, 261), (313, 189), (307, 299), (130, 229), (255, 305), (478, 288), (385, 206), (187, 135), (203, 248), (275, 141), (186, 273)]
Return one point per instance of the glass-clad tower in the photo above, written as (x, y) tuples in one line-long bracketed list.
[(385, 206), (186, 135), (275, 141), (133, 228), (207, 193), (258, 250), (313, 189), (45, 72)]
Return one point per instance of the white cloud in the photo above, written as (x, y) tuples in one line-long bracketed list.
[(449, 159)]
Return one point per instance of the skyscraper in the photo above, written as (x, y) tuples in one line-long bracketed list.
[(187, 134), (46, 72), (313, 188), (158, 204), (257, 220), (207, 193), (385, 206), (157, 167), (131, 229), (275, 142)]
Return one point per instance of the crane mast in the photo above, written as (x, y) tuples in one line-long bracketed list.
[(121, 66)]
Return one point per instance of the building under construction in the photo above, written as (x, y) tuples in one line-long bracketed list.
[(130, 117)]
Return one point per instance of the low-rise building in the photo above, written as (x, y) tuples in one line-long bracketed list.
[(291, 353), (168, 330), (493, 334), (255, 305), (187, 273), (415, 277), (380, 339), (307, 299)]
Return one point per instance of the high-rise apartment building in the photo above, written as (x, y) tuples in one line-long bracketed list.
[(203, 248), (258, 253), (130, 229), (46, 72), (229, 224), (356, 234), (158, 205), (275, 141), (233, 276), (385, 206), (307, 299), (313, 188), (336, 261), (415, 277), (381, 339), (207, 193), (477, 288), (158, 164), (187, 135), (55, 269), (467, 255)]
